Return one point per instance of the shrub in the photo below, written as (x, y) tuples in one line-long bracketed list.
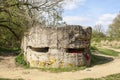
[(8, 51)]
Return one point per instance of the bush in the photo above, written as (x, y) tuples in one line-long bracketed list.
[(20, 60), (8, 51)]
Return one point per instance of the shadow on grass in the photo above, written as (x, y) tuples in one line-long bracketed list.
[(98, 59)]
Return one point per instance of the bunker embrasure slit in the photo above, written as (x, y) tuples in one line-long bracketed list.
[(39, 49), (74, 50)]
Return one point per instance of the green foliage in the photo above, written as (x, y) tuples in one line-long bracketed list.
[(96, 59), (12, 24), (17, 16), (20, 61), (7, 40), (110, 77), (96, 34), (96, 39), (114, 28), (6, 51)]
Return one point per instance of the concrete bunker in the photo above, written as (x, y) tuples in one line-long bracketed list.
[(57, 47)]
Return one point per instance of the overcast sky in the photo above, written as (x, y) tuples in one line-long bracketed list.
[(91, 12)]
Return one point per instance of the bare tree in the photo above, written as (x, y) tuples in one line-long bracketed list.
[(98, 31)]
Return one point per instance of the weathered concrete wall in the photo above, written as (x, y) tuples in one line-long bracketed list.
[(57, 46)]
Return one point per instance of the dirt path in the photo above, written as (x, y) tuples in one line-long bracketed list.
[(9, 70)]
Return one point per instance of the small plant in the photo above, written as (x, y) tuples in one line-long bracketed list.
[(20, 60)]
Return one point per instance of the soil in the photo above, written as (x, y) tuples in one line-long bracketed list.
[(8, 69)]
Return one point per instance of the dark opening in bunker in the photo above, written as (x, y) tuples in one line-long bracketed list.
[(74, 50), (41, 49)]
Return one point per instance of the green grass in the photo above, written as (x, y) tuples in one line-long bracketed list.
[(105, 51), (108, 52), (97, 59), (93, 48), (110, 77), (57, 70)]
